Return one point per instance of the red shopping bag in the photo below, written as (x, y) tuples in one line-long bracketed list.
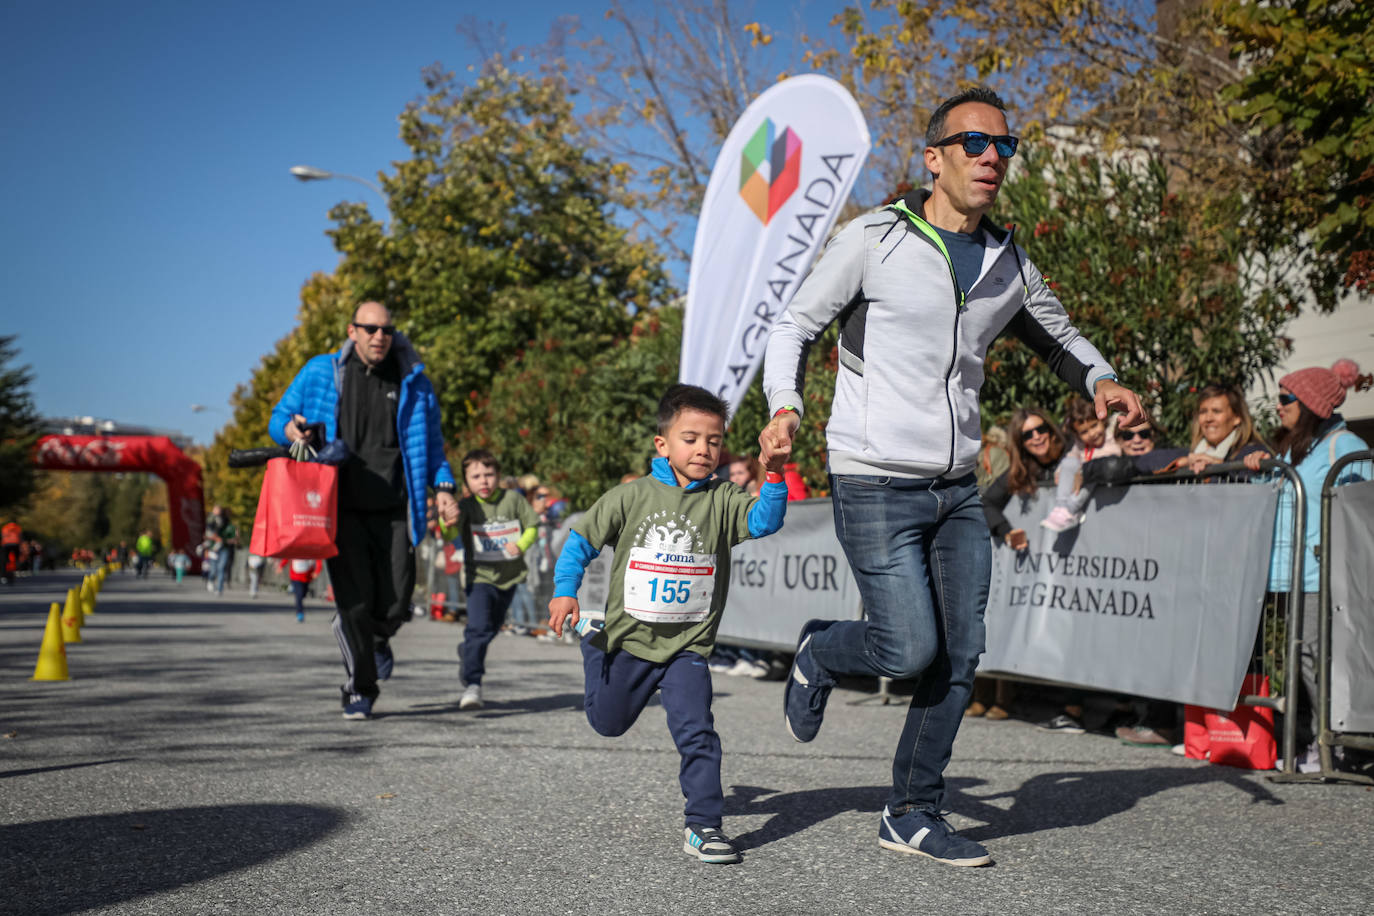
[(1243, 737), (297, 511)]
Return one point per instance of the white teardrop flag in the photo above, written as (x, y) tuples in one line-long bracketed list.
[(780, 180)]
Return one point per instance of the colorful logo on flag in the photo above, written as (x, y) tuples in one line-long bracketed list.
[(770, 169)]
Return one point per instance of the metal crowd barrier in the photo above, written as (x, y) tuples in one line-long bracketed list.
[(1285, 609), (1327, 738)]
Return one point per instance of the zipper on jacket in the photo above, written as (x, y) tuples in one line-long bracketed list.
[(928, 232)]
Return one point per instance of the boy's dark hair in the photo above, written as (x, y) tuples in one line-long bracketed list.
[(480, 456), (688, 397), (935, 130)]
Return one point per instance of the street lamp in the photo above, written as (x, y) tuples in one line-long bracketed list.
[(310, 173)]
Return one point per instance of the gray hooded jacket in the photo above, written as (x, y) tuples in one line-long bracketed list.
[(912, 345)]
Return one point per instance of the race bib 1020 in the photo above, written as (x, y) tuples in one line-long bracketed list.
[(489, 540)]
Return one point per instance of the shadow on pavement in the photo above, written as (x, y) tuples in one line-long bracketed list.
[(494, 709), (62, 866), (8, 774), (1044, 802)]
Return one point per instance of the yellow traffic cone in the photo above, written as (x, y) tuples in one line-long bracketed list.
[(71, 618), (87, 599), (52, 657)]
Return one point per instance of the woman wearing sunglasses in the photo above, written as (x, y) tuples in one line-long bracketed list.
[(1036, 450), (1146, 446), (1312, 437)]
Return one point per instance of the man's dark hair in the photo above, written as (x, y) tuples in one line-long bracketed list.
[(481, 456), (688, 397), (936, 130)]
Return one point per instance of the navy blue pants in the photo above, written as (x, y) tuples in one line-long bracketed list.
[(619, 686), (487, 607)]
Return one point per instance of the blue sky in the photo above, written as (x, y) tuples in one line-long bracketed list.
[(154, 243)]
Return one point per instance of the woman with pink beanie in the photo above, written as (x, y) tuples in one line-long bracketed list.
[(1312, 438)]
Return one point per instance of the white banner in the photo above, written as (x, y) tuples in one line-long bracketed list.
[(784, 172), (1352, 607), (1158, 593), (780, 582)]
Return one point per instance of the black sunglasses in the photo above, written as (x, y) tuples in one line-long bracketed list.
[(541, 494), (369, 329), (975, 141), (1126, 435), (1286, 399), (1029, 434)]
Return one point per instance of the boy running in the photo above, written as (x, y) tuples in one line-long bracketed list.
[(497, 526), (672, 532)]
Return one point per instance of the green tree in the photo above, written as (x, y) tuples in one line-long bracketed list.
[(19, 428), (1116, 74), (321, 322), (503, 258), (70, 509), (1160, 280), (1309, 89)]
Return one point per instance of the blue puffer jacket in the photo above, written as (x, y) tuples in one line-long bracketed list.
[(314, 394)]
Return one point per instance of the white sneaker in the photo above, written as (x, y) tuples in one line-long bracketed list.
[(472, 697)]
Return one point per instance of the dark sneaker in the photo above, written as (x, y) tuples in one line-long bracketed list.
[(1063, 723), (386, 662), (709, 845), (358, 707), (929, 835), (807, 688)]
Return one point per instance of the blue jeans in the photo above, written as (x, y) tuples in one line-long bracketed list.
[(487, 607), (620, 685), (222, 564), (922, 559)]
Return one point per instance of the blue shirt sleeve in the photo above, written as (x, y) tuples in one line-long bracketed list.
[(572, 562), (765, 516)]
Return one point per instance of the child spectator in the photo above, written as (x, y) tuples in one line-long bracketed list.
[(672, 533), (179, 562), (746, 472), (497, 526), (1088, 434)]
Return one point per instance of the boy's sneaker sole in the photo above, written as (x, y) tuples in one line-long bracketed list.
[(960, 851), (912, 850)]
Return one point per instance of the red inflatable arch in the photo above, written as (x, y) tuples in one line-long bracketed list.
[(155, 454)]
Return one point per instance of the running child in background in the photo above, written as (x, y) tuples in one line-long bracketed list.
[(672, 532), (497, 527), (1089, 437), (302, 573)]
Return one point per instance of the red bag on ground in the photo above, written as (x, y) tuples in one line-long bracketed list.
[(1242, 738), (297, 511)]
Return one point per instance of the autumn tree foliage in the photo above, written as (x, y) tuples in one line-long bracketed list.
[(503, 261)]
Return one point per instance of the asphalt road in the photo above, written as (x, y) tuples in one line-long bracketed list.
[(196, 762)]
